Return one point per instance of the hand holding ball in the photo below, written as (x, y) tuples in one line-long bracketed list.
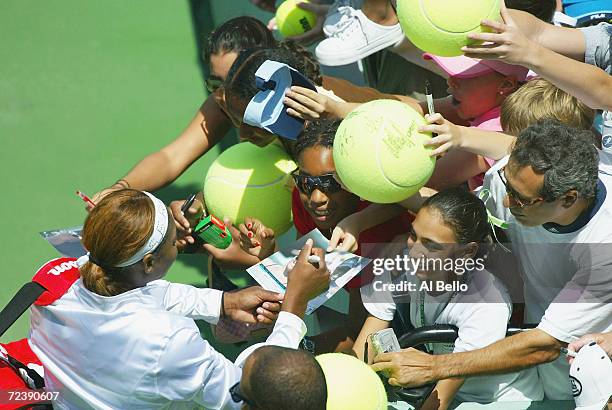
[(292, 20), (379, 153), (441, 27)]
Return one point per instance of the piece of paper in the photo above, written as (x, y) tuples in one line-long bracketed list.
[(67, 241), (271, 273)]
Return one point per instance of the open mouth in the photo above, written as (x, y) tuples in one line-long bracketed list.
[(320, 215)]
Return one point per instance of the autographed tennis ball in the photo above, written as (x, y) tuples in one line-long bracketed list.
[(246, 180), (441, 27), (379, 153), (292, 20), (351, 384)]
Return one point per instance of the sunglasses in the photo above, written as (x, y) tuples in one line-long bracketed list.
[(516, 198), (237, 395), (307, 184), (213, 83)]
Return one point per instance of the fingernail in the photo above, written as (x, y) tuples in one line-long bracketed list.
[(329, 249), (249, 225), (309, 241), (250, 234), (259, 310), (257, 243)]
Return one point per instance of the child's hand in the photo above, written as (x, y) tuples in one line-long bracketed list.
[(184, 222), (309, 105), (256, 239), (345, 235), (509, 43), (449, 135)]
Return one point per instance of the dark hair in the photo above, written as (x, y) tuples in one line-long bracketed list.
[(240, 80), (317, 133), (542, 9), (565, 155), (463, 212), (238, 34), (287, 379)]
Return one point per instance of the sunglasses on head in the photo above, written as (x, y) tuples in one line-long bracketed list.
[(325, 183)]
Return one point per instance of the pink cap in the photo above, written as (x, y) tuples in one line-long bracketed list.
[(466, 67)]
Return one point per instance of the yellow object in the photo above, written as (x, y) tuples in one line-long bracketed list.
[(246, 180), (441, 27), (351, 384), (292, 20), (379, 153)]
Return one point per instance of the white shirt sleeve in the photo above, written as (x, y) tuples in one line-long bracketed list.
[(480, 324), (288, 331), (189, 369), (584, 305), (192, 302)]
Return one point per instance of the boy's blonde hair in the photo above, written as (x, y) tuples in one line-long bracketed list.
[(538, 99)]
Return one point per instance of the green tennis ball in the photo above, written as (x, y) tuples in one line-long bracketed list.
[(351, 384), (379, 153), (441, 27), (246, 180), (292, 20)]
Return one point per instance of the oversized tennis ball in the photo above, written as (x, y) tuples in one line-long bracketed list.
[(246, 180), (379, 153), (351, 384), (292, 20), (441, 27)]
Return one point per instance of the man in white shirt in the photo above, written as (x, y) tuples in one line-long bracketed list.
[(559, 213)]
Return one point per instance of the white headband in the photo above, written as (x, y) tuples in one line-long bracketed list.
[(160, 227)]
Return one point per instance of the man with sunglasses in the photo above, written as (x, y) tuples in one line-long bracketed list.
[(558, 210)]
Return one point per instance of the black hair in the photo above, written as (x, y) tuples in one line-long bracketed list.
[(287, 379), (464, 213), (240, 80), (563, 154), (317, 133), (238, 34), (542, 9)]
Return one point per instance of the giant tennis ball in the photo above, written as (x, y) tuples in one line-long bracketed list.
[(351, 384), (441, 27), (246, 180), (292, 20), (379, 153)]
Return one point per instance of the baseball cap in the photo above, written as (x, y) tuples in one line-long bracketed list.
[(591, 378), (466, 67)]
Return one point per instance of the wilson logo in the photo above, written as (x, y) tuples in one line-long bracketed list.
[(305, 24), (63, 267)]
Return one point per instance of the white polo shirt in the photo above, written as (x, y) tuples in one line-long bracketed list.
[(140, 349), (567, 273)]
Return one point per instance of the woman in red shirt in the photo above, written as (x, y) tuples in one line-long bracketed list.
[(319, 201)]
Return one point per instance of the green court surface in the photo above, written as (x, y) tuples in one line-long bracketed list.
[(87, 88)]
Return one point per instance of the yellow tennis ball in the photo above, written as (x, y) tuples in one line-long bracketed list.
[(351, 384), (246, 180), (379, 153), (292, 20), (441, 27)]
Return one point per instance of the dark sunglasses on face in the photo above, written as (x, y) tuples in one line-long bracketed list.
[(237, 395), (307, 184), (213, 83), (522, 203)]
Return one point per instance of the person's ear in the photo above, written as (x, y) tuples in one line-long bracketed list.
[(508, 86), (468, 251), (569, 198), (148, 261)]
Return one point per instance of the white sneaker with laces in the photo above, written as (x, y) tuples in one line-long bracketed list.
[(338, 13), (356, 37)]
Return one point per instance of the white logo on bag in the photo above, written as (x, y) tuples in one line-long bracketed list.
[(63, 267)]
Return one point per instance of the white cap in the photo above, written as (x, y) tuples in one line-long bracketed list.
[(591, 378)]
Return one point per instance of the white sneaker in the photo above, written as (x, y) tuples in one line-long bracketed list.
[(356, 38), (337, 15)]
